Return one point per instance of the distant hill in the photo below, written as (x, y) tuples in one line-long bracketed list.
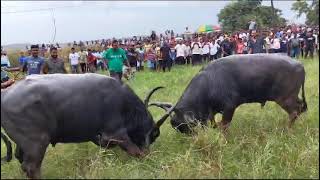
[(16, 46), (22, 46)]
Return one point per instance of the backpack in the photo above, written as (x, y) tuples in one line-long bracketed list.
[(295, 42)]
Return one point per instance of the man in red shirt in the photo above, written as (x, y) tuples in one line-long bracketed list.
[(91, 61)]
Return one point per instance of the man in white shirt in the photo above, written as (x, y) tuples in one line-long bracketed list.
[(100, 62), (4, 59), (275, 45), (196, 50), (188, 53), (205, 50), (214, 47), (74, 61), (180, 50)]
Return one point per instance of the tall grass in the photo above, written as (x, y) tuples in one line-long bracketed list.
[(259, 144)]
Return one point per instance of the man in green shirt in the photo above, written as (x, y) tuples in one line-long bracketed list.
[(115, 58)]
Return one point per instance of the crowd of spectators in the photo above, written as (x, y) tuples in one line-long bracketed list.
[(159, 52)]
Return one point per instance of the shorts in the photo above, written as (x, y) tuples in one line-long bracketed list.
[(116, 75)]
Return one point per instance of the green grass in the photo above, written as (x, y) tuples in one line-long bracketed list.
[(259, 144)]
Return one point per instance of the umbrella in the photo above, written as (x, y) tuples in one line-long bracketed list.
[(205, 28), (216, 28)]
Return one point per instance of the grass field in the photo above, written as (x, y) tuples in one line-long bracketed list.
[(259, 144)]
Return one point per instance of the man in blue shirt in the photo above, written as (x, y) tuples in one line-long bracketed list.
[(34, 63), (22, 58)]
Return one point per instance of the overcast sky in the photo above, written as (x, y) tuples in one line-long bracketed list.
[(32, 21)]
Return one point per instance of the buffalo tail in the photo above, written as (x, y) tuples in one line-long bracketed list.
[(7, 158), (305, 106)]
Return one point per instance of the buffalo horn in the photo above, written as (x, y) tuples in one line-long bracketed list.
[(163, 105), (146, 100), (164, 117)]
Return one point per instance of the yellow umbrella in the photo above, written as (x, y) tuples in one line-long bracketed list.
[(205, 28)]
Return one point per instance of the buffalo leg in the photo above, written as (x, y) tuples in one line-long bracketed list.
[(19, 154), (226, 118), (32, 159), (34, 148), (212, 120), (292, 107)]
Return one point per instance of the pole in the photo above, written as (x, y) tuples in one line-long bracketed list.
[(54, 25), (273, 15)]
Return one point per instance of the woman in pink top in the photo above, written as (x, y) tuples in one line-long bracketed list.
[(239, 46)]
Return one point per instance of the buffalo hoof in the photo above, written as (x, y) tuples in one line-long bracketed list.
[(136, 153), (223, 128)]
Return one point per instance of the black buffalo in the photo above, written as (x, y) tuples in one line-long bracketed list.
[(57, 108), (231, 81)]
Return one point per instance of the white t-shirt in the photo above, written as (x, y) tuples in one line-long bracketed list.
[(98, 56), (275, 44), (214, 48), (206, 48), (188, 51), (221, 38), (180, 48), (74, 58), (5, 60), (196, 48), (316, 40)]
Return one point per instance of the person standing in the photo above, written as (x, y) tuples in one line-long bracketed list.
[(54, 64), (158, 57), (188, 53), (83, 60), (239, 46), (132, 56), (22, 58), (309, 44), (173, 55), (116, 57), (205, 50), (268, 42), (140, 59), (255, 44), (246, 47), (196, 52), (91, 59), (74, 60), (226, 47), (275, 44), (214, 47), (4, 59), (165, 54), (100, 62), (34, 63), (180, 49), (294, 44), (151, 58)]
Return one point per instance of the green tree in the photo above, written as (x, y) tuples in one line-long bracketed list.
[(311, 11), (237, 14)]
